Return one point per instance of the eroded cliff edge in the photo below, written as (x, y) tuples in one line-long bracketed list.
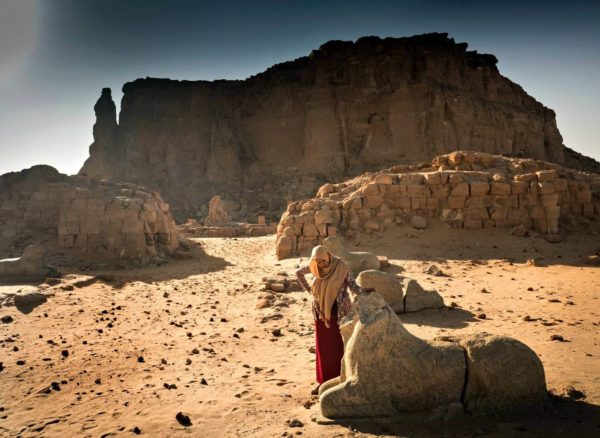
[(346, 108)]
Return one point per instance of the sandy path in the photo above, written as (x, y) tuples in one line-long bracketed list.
[(193, 326)]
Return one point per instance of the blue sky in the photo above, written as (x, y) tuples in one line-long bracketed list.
[(57, 55)]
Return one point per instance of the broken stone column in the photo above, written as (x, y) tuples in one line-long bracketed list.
[(217, 215)]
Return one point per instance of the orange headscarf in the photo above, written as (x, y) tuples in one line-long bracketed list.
[(328, 281)]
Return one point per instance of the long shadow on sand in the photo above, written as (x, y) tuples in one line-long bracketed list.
[(453, 318), (564, 417), (118, 276), (438, 243)]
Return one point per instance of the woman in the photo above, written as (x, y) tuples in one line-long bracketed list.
[(331, 303)]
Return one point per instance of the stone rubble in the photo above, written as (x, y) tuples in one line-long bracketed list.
[(465, 189)]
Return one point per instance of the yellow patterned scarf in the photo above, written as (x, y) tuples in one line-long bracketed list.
[(328, 281)]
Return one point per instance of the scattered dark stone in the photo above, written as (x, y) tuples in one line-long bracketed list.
[(188, 361), (65, 353), (203, 381), (276, 333), (557, 338), (554, 300), (170, 385), (21, 362), (1, 366), (529, 289), (195, 351), (189, 334), (98, 381), (163, 361), (140, 359), (575, 394), (55, 386), (53, 281), (453, 304), (183, 419), (481, 316), (6, 319), (223, 319), (527, 318), (136, 430), (295, 423)]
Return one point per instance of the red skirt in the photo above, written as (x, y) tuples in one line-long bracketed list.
[(329, 348)]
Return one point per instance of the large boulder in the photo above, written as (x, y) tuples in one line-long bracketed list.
[(358, 261), (417, 298), (30, 266), (503, 374), (388, 372), (385, 284)]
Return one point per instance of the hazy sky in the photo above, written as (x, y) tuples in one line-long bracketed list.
[(57, 55)]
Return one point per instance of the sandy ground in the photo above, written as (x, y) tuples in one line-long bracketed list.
[(135, 347)]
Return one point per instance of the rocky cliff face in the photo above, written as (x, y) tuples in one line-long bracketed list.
[(346, 108)]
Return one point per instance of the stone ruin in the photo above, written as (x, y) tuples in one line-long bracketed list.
[(217, 215), (83, 216), (388, 372), (465, 189)]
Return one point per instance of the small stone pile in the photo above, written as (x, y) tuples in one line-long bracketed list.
[(466, 189), (94, 219)]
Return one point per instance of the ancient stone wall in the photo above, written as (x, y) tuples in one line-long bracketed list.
[(466, 189), (90, 218), (348, 108)]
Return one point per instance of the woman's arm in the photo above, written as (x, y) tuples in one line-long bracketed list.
[(353, 286), (300, 273)]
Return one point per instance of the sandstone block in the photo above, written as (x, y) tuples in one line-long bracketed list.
[(310, 230), (374, 201), (479, 188), (415, 191), (549, 200), (546, 175), (537, 212), (456, 178), (418, 222), (552, 212), (323, 217), (504, 375), (385, 284), (370, 189), (417, 298), (433, 178), (384, 178), (418, 203), (456, 201), (498, 188), (476, 213), (545, 188), (358, 261), (518, 187), (461, 189)]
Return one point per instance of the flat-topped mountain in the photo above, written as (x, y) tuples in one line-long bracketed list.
[(347, 108)]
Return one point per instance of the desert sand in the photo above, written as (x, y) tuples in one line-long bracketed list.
[(119, 352)]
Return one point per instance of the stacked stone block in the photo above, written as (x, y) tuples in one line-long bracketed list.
[(90, 218), (470, 190)]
